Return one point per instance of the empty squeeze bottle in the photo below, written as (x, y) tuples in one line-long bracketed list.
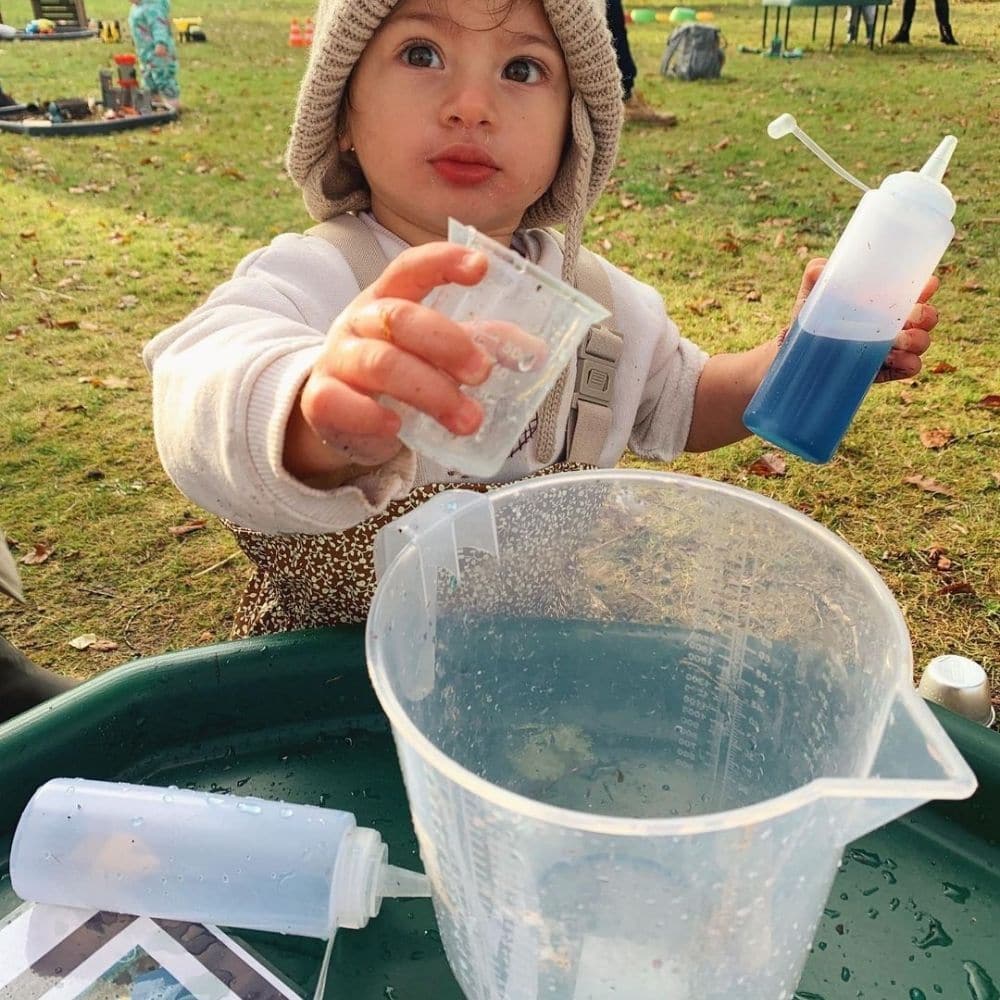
[(844, 331), (218, 859)]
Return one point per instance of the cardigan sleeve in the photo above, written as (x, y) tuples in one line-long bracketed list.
[(225, 380)]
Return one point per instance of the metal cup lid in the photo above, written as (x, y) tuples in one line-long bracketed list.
[(960, 685)]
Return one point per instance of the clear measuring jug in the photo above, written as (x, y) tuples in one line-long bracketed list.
[(639, 715)]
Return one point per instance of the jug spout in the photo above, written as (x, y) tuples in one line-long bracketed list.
[(914, 763), (464, 518)]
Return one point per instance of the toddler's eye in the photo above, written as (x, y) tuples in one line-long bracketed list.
[(523, 71), (421, 54)]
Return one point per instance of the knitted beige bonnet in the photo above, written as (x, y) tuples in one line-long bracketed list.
[(331, 183)]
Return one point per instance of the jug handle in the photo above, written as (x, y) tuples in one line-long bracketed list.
[(471, 528)]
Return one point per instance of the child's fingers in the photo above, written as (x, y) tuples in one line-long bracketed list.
[(899, 364), (419, 269), (508, 344), (332, 409), (423, 332), (809, 278), (912, 340), (378, 367), (933, 284), (922, 315)]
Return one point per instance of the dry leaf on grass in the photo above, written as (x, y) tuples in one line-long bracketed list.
[(943, 368), (936, 437), (769, 464), (929, 485), (179, 530), (110, 382), (39, 554), (701, 306), (93, 644), (956, 588), (939, 560), (990, 402)]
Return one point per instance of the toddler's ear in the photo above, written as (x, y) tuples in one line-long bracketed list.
[(344, 142)]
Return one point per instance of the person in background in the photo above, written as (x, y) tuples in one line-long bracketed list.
[(902, 37), (152, 34), (636, 107), (855, 14)]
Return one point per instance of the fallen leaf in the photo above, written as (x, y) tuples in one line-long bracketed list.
[(722, 144), (769, 464), (128, 301), (991, 402), (179, 530), (701, 306), (28, 234), (110, 382), (91, 642), (943, 368), (971, 286), (939, 560), (103, 646), (929, 485), (753, 295), (729, 245), (38, 554), (956, 588), (936, 437)]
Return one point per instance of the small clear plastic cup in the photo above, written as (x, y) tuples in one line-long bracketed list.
[(527, 319)]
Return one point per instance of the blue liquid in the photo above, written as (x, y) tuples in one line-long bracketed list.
[(812, 391)]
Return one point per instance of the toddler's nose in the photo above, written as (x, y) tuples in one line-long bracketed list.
[(469, 105)]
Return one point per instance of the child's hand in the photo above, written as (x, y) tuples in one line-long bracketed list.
[(903, 360), (386, 342)]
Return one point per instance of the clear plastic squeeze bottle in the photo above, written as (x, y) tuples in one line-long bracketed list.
[(217, 859), (844, 331)]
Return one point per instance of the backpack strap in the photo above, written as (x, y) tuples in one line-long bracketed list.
[(357, 244), (593, 379)]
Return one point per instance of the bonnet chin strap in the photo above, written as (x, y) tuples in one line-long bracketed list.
[(594, 374)]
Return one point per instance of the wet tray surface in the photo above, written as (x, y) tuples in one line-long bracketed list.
[(913, 912)]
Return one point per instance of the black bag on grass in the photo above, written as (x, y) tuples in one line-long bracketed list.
[(693, 52)]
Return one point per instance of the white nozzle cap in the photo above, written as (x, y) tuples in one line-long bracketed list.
[(937, 162), (362, 877), (782, 125)]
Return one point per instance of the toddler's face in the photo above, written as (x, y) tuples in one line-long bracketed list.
[(454, 109)]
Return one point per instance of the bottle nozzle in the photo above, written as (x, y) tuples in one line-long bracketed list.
[(401, 883), (785, 124), (937, 162)]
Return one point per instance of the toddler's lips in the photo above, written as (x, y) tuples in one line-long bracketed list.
[(466, 167)]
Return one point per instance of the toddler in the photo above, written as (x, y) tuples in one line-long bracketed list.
[(149, 23), (504, 114)]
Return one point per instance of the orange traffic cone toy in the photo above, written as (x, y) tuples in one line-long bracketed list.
[(295, 38), (307, 32)]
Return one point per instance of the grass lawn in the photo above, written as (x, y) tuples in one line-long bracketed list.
[(107, 240)]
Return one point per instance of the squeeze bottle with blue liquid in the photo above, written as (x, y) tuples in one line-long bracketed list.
[(844, 331), (180, 854)]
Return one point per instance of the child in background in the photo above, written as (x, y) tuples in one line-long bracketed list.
[(152, 34), (504, 114)]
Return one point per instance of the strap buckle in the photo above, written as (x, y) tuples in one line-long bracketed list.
[(595, 370)]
